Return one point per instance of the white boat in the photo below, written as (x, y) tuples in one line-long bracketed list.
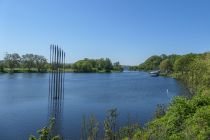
[(154, 73)]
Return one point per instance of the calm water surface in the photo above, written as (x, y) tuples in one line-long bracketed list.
[(24, 104)]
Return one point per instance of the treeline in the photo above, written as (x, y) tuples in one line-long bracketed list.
[(96, 65), (154, 62), (25, 63), (191, 68), (37, 63)]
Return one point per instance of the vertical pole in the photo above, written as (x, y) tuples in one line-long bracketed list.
[(59, 54), (64, 72), (61, 74), (52, 84), (49, 74), (54, 72)]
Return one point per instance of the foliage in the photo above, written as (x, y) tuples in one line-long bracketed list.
[(1, 66), (117, 66), (110, 125), (166, 66), (160, 111), (182, 63), (40, 63), (28, 61), (151, 63), (31, 62), (45, 133), (90, 128), (185, 118), (12, 61), (133, 68), (96, 65)]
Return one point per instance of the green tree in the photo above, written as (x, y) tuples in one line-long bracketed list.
[(108, 65), (40, 62), (82, 66), (117, 66), (166, 66), (151, 63), (12, 61), (182, 63), (1, 66), (28, 61), (100, 64)]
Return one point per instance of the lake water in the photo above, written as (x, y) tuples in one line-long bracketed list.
[(24, 104)]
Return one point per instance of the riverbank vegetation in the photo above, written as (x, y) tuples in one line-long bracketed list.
[(46, 133), (185, 118), (96, 65), (14, 63)]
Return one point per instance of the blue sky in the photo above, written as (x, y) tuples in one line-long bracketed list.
[(126, 30)]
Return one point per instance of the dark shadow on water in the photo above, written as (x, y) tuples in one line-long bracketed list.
[(55, 110)]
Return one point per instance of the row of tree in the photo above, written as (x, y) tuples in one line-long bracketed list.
[(193, 69), (96, 65), (28, 61), (32, 62)]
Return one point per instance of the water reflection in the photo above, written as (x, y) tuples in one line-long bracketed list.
[(56, 111)]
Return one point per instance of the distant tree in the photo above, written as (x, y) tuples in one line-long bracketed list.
[(12, 61), (40, 62), (133, 68), (96, 65), (100, 64), (117, 66), (163, 56), (82, 66), (1, 66), (151, 63), (182, 63), (108, 65), (28, 61), (166, 66), (69, 66)]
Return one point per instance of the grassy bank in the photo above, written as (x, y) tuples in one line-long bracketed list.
[(185, 119)]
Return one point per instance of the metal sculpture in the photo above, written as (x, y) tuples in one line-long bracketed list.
[(56, 87), (56, 77)]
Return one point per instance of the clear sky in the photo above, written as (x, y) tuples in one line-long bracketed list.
[(126, 30)]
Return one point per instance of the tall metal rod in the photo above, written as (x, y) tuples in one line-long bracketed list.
[(56, 78), (54, 86), (61, 74), (49, 73), (59, 80), (52, 81), (64, 73)]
